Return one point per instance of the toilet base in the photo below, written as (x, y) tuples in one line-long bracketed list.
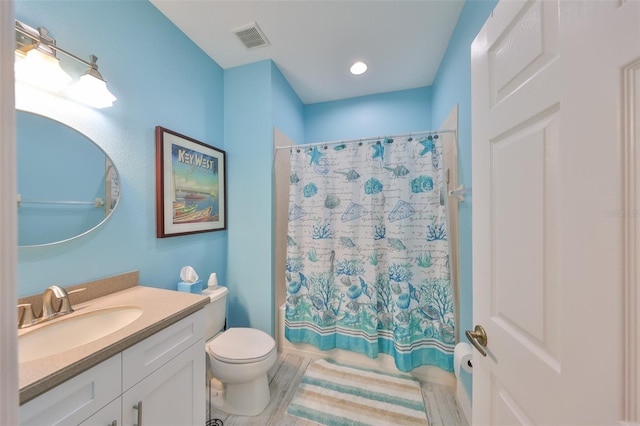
[(242, 388), (244, 399)]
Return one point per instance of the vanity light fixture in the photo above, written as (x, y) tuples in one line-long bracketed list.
[(37, 65), (358, 68)]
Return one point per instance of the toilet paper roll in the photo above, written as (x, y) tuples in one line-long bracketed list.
[(462, 356)]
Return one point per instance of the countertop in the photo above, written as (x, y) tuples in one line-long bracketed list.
[(161, 308)]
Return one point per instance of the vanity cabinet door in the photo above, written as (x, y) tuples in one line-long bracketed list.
[(111, 415), (147, 356), (172, 395), (75, 400)]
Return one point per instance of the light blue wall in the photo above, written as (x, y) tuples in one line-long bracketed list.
[(453, 85), (257, 99), (288, 110), (161, 78), (248, 135), (382, 114)]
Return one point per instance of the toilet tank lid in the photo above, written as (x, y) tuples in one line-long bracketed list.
[(215, 293)]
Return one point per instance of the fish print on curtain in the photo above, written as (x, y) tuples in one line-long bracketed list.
[(367, 251)]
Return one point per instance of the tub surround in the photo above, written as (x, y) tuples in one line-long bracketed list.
[(161, 308)]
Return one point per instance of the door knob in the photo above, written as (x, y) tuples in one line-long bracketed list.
[(478, 338)]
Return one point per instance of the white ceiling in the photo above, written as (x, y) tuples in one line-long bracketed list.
[(314, 43)]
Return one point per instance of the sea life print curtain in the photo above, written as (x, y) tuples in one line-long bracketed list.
[(367, 251)]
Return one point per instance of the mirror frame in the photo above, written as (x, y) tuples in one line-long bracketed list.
[(106, 218)]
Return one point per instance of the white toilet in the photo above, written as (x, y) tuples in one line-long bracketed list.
[(239, 359)]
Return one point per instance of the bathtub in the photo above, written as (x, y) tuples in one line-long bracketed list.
[(382, 362)]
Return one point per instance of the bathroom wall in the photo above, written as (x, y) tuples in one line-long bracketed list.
[(369, 116), (453, 85), (160, 78), (248, 128), (257, 99), (288, 110)]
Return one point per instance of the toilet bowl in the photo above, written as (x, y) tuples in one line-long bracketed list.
[(240, 359), (237, 359)]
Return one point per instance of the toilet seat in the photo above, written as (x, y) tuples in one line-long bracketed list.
[(241, 346)]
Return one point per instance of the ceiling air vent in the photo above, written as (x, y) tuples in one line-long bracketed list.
[(251, 36)]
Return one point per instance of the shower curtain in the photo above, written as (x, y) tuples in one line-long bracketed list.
[(367, 251)]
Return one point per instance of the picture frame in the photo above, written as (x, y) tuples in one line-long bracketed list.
[(191, 195)]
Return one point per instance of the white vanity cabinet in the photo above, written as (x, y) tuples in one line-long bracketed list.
[(111, 415), (75, 400), (172, 395), (163, 374), (167, 380)]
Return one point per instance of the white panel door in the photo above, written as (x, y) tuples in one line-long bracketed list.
[(548, 272)]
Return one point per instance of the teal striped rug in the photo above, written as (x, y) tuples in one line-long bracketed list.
[(333, 394)]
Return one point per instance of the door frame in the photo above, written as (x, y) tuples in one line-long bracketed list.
[(8, 222), (631, 213)]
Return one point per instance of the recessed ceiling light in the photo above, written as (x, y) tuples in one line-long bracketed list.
[(358, 68)]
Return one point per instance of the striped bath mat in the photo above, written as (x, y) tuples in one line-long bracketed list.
[(335, 394)]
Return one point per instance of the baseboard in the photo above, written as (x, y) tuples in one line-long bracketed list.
[(463, 401)]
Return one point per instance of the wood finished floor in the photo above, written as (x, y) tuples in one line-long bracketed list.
[(440, 401)]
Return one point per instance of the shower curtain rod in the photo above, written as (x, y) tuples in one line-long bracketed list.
[(346, 141)]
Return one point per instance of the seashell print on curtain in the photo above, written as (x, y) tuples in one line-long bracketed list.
[(367, 251)]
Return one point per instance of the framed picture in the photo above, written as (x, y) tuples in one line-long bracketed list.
[(190, 186)]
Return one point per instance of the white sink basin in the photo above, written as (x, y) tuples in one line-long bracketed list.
[(70, 332)]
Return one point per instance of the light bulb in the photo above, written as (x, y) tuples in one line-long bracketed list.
[(358, 68), (41, 70), (92, 91)]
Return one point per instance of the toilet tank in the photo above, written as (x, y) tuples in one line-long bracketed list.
[(216, 311)]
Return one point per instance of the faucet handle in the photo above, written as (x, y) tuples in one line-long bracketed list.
[(27, 318), (65, 307)]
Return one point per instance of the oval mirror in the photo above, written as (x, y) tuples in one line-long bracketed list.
[(67, 185)]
